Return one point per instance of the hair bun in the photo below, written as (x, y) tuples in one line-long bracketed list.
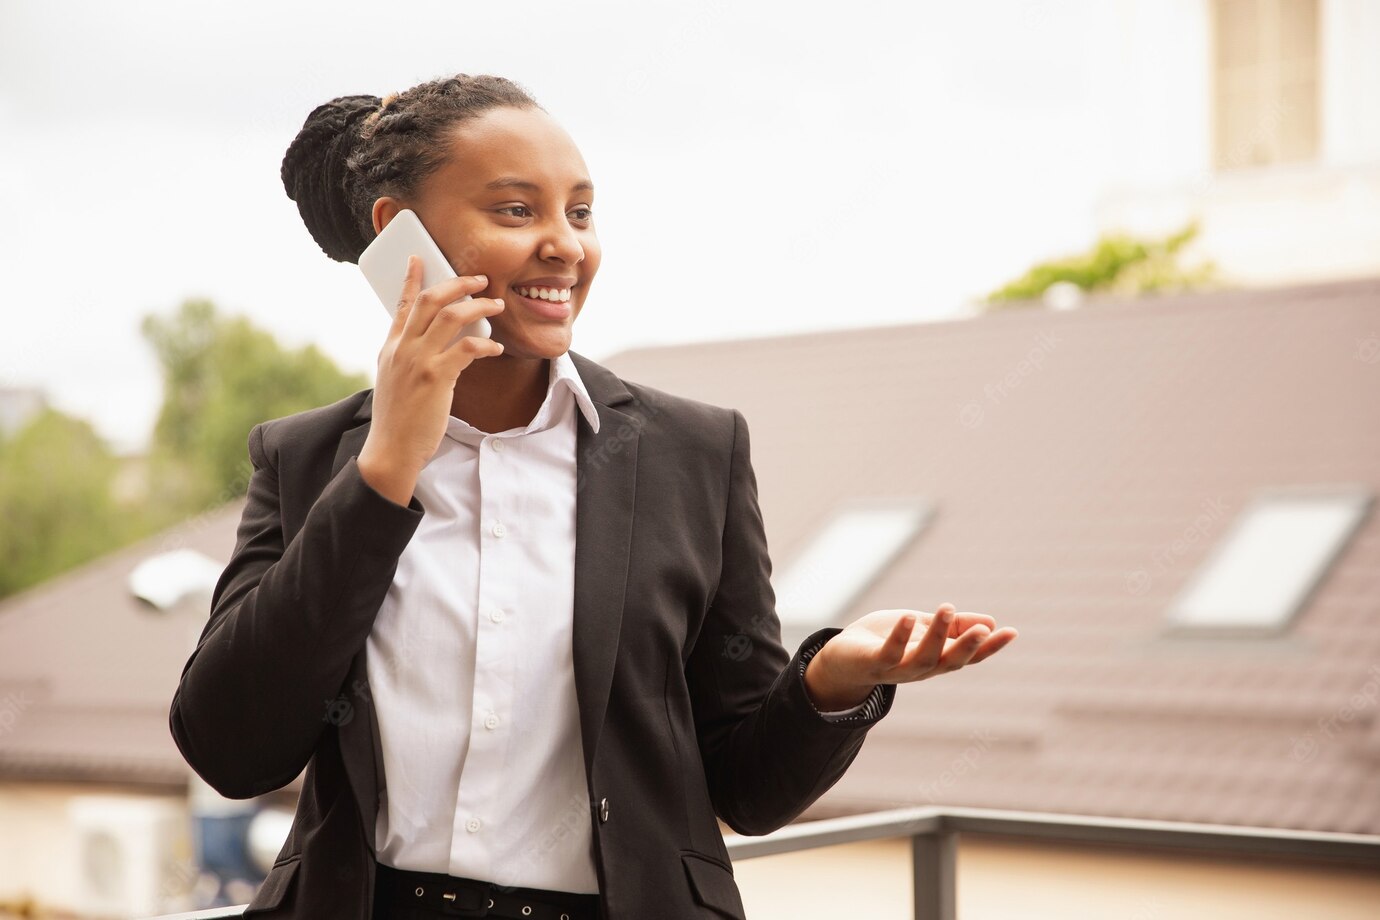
[(315, 176)]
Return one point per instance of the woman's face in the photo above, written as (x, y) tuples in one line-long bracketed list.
[(514, 202)]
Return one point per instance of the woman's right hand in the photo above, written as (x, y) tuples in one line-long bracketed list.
[(416, 377)]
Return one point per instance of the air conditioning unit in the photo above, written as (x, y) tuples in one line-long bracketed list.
[(134, 855)]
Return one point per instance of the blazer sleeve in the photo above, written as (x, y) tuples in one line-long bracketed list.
[(866, 712), (285, 623), (768, 753)]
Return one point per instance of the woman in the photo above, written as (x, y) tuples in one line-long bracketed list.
[(510, 612)]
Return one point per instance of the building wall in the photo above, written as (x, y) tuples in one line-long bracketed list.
[(1350, 38), (1271, 225), (998, 880), (43, 858), (37, 857)]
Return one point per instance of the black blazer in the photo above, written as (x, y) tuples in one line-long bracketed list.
[(689, 705)]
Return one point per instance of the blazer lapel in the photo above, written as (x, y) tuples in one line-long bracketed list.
[(606, 473), (605, 489)]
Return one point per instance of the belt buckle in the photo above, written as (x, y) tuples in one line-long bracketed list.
[(467, 902)]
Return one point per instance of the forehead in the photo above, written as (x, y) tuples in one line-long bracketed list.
[(507, 142)]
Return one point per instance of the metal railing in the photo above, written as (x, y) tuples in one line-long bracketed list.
[(933, 833)]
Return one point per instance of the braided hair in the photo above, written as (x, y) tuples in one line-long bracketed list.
[(355, 149)]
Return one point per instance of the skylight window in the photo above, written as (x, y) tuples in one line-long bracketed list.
[(1261, 573), (171, 578), (845, 557)]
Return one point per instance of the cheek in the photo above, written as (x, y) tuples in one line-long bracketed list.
[(491, 252), (593, 255)]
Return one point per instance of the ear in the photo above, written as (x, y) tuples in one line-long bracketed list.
[(385, 209)]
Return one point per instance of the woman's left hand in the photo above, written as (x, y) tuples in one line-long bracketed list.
[(881, 648)]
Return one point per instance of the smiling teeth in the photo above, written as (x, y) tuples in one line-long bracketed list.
[(550, 294)]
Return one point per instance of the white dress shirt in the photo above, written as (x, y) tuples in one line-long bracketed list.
[(470, 662)]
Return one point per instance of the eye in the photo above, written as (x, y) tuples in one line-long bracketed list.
[(587, 212), (516, 207)]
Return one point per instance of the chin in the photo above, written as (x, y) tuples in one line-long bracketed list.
[(550, 343)]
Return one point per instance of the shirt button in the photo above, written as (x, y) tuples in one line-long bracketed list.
[(491, 722), (472, 825), (603, 810), (496, 615), (497, 444), (499, 529)]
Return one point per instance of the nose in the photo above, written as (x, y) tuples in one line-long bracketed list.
[(561, 242)]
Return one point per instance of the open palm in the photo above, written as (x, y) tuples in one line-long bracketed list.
[(899, 646)]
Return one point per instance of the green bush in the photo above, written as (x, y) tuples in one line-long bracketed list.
[(1118, 264)]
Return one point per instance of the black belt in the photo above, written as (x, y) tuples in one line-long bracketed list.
[(467, 897)]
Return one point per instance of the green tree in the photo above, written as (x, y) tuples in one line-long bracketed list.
[(55, 499), (222, 376), (1117, 263)]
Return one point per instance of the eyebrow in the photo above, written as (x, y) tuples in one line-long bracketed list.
[(514, 182)]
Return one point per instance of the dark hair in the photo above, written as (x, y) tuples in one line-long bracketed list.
[(355, 149)]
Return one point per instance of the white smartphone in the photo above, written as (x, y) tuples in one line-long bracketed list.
[(384, 263)]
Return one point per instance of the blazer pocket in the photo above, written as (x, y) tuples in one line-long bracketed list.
[(271, 893), (713, 884)]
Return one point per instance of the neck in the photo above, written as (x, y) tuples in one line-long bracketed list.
[(501, 392)]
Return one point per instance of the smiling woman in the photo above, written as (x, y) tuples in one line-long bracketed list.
[(502, 189), (510, 611)]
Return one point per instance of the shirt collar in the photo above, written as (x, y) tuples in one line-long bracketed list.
[(563, 383), (563, 371)]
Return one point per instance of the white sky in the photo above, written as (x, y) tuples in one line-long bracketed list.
[(805, 165)]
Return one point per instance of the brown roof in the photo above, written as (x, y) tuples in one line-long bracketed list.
[(87, 672), (1068, 456), (1065, 453)]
